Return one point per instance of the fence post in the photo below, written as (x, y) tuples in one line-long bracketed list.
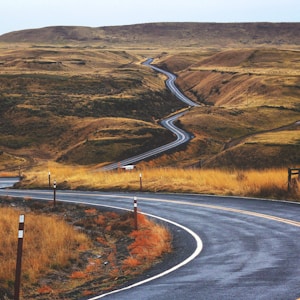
[(135, 213), (49, 179), (289, 178), (19, 257), (293, 181)]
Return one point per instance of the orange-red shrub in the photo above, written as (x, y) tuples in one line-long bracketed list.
[(45, 290), (77, 275)]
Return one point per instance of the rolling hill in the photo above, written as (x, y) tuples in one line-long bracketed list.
[(165, 35), (80, 95)]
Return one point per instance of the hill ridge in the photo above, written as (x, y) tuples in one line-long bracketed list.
[(165, 33)]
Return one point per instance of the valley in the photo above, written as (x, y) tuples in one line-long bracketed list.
[(91, 101)]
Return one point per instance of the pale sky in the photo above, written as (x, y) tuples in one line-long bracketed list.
[(28, 14)]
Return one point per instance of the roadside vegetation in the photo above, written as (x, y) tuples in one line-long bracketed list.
[(266, 183), (73, 251)]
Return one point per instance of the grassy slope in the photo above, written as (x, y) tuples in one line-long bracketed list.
[(66, 100), (249, 91)]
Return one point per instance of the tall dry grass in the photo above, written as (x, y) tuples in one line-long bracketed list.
[(48, 243), (269, 183)]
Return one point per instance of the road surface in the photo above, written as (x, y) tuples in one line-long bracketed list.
[(8, 181), (251, 247), (181, 136), (170, 83)]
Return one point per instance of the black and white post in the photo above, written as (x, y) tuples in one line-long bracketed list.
[(19, 257), (54, 193), (135, 213)]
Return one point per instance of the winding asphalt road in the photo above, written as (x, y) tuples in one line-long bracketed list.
[(251, 247), (170, 83), (181, 136)]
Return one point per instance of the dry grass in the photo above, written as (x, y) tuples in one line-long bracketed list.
[(150, 235), (66, 264), (239, 77), (217, 129), (151, 241), (284, 137), (48, 243), (269, 183)]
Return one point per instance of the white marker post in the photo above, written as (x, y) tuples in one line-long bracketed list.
[(19, 257), (135, 213), (54, 193), (141, 182)]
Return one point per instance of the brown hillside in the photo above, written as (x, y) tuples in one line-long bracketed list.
[(84, 106), (166, 34), (79, 95), (244, 77), (247, 92)]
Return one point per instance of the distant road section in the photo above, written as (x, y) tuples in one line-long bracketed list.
[(170, 83), (6, 182), (181, 136)]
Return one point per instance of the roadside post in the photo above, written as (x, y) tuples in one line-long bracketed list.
[(141, 182), (54, 193), (49, 179), (19, 257), (291, 177), (135, 213)]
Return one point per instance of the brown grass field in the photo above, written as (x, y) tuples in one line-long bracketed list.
[(266, 183)]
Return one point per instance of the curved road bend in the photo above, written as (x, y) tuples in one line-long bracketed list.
[(251, 247), (181, 136), (170, 83)]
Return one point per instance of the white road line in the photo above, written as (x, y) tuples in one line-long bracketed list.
[(216, 207), (223, 208), (199, 247)]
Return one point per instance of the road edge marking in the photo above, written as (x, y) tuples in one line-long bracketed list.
[(199, 247)]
